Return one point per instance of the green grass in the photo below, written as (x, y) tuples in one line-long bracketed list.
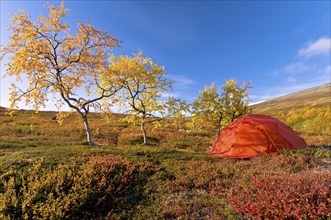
[(184, 183), (173, 177)]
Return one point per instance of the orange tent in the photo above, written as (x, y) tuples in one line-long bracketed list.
[(254, 135)]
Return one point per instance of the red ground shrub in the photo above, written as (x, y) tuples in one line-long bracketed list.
[(299, 196)]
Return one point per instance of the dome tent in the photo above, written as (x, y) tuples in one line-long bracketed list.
[(254, 135)]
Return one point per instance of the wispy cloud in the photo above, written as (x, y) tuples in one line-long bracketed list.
[(291, 79), (303, 73), (284, 89), (318, 47), (170, 94), (254, 103), (181, 81), (298, 67), (328, 70), (292, 68), (183, 88)]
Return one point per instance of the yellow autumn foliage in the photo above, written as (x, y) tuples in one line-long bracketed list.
[(310, 120)]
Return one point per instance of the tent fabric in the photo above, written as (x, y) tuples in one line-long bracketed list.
[(254, 135)]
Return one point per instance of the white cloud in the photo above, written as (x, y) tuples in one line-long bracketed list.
[(318, 47), (182, 88), (290, 79), (281, 90), (298, 67), (254, 103), (170, 94), (295, 68), (301, 74), (180, 80), (328, 70)]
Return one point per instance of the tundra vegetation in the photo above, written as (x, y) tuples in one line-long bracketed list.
[(48, 171)]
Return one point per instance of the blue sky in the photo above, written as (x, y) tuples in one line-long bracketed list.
[(283, 46)]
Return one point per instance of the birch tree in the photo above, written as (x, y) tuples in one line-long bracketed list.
[(209, 107), (235, 99), (56, 62), (144, 83), (221, 108)]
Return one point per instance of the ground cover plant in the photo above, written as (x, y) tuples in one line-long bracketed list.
[(84, 187), (311, 123), (303, 195), (59, 175), (49, 169)]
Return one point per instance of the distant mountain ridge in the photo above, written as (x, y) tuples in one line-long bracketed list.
[(313, 97)]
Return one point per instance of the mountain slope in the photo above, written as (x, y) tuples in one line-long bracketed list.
[(314, 97)]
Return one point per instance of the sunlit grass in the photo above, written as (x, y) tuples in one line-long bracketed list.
[(173, 178)]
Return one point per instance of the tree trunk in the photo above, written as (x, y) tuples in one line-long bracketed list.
[(88, 132), (233, 116), (219, 123), (144, 132)]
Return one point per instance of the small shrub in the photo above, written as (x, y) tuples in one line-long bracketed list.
[(80, 188), (312, 123), (193, 204), (7, 121), (179, 142), (316, 152), (300, 196), (185, 141), (130, 137)]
